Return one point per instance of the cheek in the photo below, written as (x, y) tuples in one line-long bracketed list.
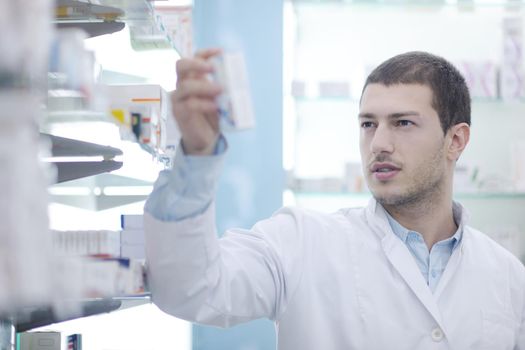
[(363, 144), (424, 157)]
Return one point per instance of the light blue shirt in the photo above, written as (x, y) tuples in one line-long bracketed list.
[(188, 188), (431, 263)]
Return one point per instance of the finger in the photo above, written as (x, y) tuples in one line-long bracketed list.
[(213, 118), (195, 105), (197, 88), (208, 53), (192, 66)]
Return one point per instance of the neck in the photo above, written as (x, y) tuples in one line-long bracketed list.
[(432, 218)]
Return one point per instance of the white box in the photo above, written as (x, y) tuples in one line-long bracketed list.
[(132, 237), (481, 78), (133, 251), (128, 221), (512, 70), (235, 104), (334, 88), (40, 341), (153, 103), (518, 165)]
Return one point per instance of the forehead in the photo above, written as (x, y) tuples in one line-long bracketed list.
[(379, 99)]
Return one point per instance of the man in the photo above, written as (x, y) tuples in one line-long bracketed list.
[(404, 273)]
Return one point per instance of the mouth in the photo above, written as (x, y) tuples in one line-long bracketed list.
[(384, 171)]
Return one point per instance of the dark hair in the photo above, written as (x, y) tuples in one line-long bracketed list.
[(451, 98)]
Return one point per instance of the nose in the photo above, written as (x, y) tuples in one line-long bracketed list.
[(382, 140)]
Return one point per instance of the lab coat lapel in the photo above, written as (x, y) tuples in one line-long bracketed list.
[(401, 259), (450, 269), (461, 215)]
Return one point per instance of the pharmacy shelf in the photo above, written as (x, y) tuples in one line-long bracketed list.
[(133, 10), (349, 99), (68, 171), (94, 19), (367, 195), (31, 318), (491, 195), (481, 206), (127, 302), (93, 28), (151, 27), (56, 117), (101, 192), (148, 29), (64, 148), (79, 10), (461, 5)]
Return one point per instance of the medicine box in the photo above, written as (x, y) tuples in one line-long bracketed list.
[(40, 341)]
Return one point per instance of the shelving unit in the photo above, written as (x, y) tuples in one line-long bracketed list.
[(93, 28), (70, 106), (334, 45), (75, 159), (94, 19), (31, 318), (345, 99), (356, 36), (63, 148)]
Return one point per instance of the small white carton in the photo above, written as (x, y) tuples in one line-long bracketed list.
[(235, 103)]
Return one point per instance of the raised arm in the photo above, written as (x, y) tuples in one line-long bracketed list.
[(192, 274)]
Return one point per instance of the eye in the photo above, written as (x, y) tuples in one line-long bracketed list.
[(404, 122), (367, 125)]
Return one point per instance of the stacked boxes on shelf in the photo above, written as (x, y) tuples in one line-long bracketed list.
[(87, 243), (132, 237), (143, 114), (177, 23), (81, 10), (40, 341), (103, 263), (127, 243), (512, 74), (73, 93), (48, 340), (481, 78)]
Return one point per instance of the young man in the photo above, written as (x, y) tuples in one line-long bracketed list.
[(404, 273)]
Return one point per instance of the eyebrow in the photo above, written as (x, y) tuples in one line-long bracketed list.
[(396, 115)]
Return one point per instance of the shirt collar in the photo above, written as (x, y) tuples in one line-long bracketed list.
[(403, 233)]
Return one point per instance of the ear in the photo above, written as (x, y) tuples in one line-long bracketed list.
[(458, 136)]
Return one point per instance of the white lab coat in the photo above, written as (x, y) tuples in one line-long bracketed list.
[(337, 281)]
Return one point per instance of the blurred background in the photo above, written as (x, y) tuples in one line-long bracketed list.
[(110, 61)]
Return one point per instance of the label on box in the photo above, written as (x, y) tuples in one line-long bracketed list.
[(235, 105)]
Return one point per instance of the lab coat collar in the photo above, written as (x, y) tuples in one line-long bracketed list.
[(401, 259), (375, 213), (403, 233)]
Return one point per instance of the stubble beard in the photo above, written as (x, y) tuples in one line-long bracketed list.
[(425, 187)]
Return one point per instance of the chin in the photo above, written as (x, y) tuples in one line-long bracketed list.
[(386, 196), (386, 199)]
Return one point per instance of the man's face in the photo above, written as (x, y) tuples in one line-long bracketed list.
[(402, 144)]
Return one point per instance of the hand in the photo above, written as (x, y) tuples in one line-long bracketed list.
[(194, 105)]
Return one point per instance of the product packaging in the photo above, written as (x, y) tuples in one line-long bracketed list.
[(235, 104)]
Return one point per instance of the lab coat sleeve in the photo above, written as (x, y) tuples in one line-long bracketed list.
[(245, 275), (517, 277), (520, 344)]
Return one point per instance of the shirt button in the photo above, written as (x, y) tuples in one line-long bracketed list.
[(437, 334), (434, 273)]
